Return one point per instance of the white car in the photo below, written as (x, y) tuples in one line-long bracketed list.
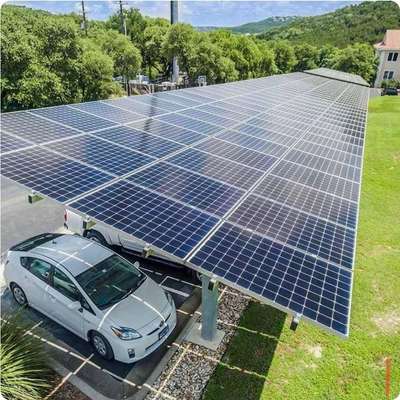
[(93, 292)]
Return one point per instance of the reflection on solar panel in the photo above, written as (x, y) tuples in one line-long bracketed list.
[(9, 143), (169, 225), (101, 154), (74, 118), (51, 174), (254, 182), (35, 129)]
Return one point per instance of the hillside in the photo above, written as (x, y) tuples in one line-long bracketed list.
[(365, 22), (253, 27)]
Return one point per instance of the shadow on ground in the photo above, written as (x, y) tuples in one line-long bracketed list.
[(244, 368)]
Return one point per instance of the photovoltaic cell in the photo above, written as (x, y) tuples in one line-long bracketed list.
[(51, 174), (190, 123), (101, 154), (140, 141), (216, 167), (168, 131), (74, 118), (9, 143), (288, 278), (237, 153), (188, 187), (308, 199), (166, 224), (298, 229), (35, 129), (114, 114)]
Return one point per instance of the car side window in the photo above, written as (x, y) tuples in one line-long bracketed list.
[(41, 269), (65, 286)]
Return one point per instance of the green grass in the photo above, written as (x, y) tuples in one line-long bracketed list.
[(310, 364)]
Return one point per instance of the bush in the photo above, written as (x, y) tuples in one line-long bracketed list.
[(24, 373), (392, 83)]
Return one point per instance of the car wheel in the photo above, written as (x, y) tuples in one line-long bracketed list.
[(19, 295), (97, 237), (101, 345)]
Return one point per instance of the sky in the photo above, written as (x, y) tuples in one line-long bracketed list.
[(197, 13)]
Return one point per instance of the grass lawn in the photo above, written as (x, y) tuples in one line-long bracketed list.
[(311, 364)]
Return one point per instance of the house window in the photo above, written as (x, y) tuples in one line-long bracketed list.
[(393, 56), (388, 75)]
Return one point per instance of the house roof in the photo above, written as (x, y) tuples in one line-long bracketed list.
[(391, 41)]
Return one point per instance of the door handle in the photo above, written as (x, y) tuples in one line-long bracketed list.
[(52, 298)]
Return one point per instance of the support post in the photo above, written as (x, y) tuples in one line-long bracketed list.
[(209, 308), (206, 333), (174, 20)]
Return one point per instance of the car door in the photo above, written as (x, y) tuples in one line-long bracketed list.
[(36, 280), (64, 300)]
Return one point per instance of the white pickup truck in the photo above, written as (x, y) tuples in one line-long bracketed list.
[(108, 236)]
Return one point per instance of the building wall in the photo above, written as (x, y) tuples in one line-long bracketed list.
[(385, 65)]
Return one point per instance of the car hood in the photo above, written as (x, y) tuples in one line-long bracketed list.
[(147, 305)]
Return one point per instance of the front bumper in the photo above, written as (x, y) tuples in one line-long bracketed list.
[(143, 346)]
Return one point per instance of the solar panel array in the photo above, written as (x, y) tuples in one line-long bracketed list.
[(254, 182)]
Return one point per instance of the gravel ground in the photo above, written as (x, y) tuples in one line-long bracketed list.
[(187, 373)]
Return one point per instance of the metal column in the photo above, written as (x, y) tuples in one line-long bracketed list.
[(174, 20), (209, 308)]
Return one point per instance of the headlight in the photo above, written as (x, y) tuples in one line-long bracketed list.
[(126, 333), (169, 298)]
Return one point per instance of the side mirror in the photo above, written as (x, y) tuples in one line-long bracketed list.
[(75, 305), (136, 264)]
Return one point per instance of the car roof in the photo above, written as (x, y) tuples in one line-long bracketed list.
[(74, 253)]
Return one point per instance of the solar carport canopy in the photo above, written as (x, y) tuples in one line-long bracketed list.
[(254, 182)]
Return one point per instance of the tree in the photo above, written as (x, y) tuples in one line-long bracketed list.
[(325, 54), (306, 56), (285, 58), (153, 55), (267, 61), (181, 41), (357, 59), (126, 57), (96, 71)]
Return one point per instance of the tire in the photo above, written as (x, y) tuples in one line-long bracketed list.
[(97, 237), (19, 295), (101, 346)]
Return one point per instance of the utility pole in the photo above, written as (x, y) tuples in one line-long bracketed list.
[(123, 31), (121, 15), (174, 20), (84, 17)]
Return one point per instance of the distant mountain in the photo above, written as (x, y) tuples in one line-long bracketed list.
[(365, 22), (253, 27)]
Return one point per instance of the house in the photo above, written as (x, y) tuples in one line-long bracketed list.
[(388, 53)]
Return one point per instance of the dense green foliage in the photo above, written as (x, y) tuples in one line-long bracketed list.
[(266, 360), (365, 23), (48, 59), (24, 373), (253, 27)]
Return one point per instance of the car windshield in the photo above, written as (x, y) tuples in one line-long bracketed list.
[(110, 281)]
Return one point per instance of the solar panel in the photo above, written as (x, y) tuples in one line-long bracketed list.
[(140, 141), (9, 143), (188, 187), (172, 226), (32, 128), (339, 75), (101, 154), (253, 182), (51, 174), (110, 112), (168, 131), (74, 118)]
